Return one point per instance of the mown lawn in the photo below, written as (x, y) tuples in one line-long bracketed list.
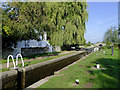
[(89, 78)]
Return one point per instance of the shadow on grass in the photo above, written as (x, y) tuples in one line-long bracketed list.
[(108, 77)]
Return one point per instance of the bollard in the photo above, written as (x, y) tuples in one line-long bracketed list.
[(77, 81), (103, 51), (98, 66)]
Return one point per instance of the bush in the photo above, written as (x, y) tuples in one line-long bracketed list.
[(104, 47)]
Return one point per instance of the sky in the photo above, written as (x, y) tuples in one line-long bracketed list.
[(102, 15)]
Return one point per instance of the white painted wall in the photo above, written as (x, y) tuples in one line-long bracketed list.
[(20, 44)]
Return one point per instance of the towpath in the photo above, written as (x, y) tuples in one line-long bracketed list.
[(4, 65)]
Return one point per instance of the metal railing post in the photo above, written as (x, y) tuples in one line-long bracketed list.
[(21, 59), (12, 60)]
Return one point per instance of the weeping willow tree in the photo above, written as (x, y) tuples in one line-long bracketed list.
[(69, 21), (64, 22)]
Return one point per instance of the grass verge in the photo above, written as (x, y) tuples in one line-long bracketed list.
[(45, 59), (88, 77), (38, 61), (32, 56)]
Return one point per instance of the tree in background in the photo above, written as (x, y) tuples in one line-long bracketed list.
[(63, 22), (119, 36), (89, 43), (111, 36)]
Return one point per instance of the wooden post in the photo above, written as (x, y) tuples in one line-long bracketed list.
[(112, 50), (21, 78)]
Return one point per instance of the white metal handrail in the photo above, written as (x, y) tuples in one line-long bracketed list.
[(12, 60), (21, 60)]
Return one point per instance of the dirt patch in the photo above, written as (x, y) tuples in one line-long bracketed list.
[(66, 78), (99, 68), (92, 77), (80, 65), (88, 85), (103, 68), (74, 85), (93, 68), (88, 71), (84, 62)]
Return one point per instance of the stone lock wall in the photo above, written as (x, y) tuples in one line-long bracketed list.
[(9, 79), (24, 77)]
